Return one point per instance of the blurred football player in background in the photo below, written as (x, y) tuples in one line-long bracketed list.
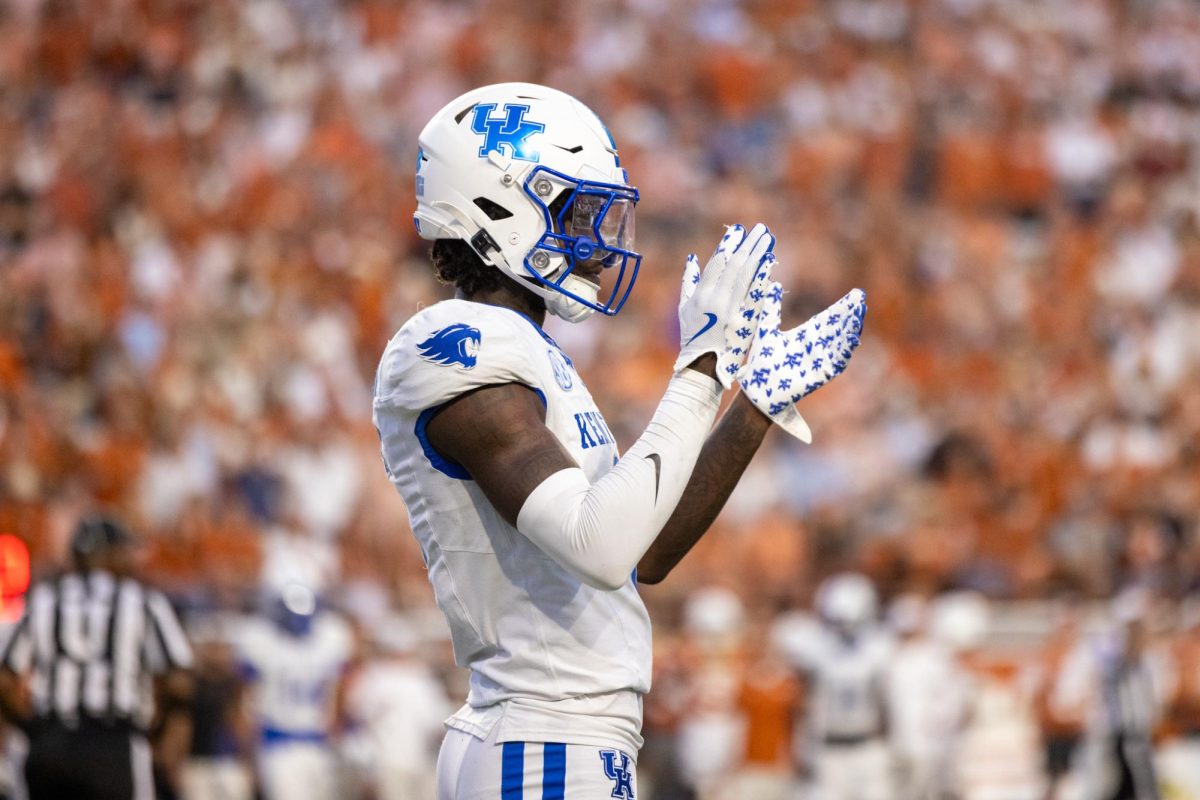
[(843, 661), (958, 624), (216, 768), (711, 733), (923, 711), (534, 528), (294, 659), (395, 705), (1061, 727), (768, 699)]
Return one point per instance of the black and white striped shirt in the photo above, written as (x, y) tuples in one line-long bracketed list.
[(1130, 696), (92, 644)]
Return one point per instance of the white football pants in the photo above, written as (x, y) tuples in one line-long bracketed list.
[(474, 769)]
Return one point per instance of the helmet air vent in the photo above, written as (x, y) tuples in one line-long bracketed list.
[(494, 210)]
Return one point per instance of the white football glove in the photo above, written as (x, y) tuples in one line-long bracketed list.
[(710, 302), (784, 366), (739, 337)]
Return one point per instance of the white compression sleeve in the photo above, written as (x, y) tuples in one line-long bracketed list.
[(599, 531)]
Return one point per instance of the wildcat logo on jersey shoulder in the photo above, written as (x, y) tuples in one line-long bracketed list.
[(509, 132), (456, 344), (616, 767)]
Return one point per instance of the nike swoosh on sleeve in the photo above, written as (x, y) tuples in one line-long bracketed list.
[(712, 320), (657, 459)]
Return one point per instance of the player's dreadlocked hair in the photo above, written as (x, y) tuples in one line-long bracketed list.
[(457, 264)]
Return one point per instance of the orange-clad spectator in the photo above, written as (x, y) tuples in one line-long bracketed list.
[(969, 165), (768, 701), (11, 368)]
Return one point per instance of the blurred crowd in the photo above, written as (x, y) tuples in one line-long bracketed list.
[(205, 242), (949, 696), (942, 697)]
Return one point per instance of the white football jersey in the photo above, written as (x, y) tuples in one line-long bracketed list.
[(847, 677), (928, 697), (399, 705), (294, 678), (551, 658)]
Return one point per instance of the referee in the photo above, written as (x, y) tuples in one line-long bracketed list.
[(1131, 696), (81, 672)]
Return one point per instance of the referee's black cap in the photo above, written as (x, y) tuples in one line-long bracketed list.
[(96, 534)]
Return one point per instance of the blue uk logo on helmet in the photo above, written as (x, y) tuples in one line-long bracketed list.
[(509, 132), (456, 344)]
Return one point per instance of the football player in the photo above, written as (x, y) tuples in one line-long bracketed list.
[(530, 521), (294, 662), (844, 661)]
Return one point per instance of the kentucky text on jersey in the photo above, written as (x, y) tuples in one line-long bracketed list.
[(592, 430)]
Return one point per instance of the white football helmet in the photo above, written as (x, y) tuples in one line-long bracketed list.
[(530, 177), (847, 601), (960, 620)]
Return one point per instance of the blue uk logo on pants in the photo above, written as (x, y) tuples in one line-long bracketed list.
[(616, 767)]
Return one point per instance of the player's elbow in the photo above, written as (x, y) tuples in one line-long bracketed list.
[(607, 582), (607, 577), (650, 575), (653, 568)]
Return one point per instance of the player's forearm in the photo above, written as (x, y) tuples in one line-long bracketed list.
[(600, 531), (722, 460)]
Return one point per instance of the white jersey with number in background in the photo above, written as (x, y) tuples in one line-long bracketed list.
[(294, 678), (551, 658), (846, 674), (294, 685)]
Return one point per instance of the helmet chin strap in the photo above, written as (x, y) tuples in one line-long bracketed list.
[(571, 310)]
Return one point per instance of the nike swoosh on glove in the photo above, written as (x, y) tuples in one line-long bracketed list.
[(710, 301), (784, 366)]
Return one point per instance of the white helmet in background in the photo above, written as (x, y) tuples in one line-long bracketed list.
[(847, 601), (530, 178), (960, 620), (713, 611)]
